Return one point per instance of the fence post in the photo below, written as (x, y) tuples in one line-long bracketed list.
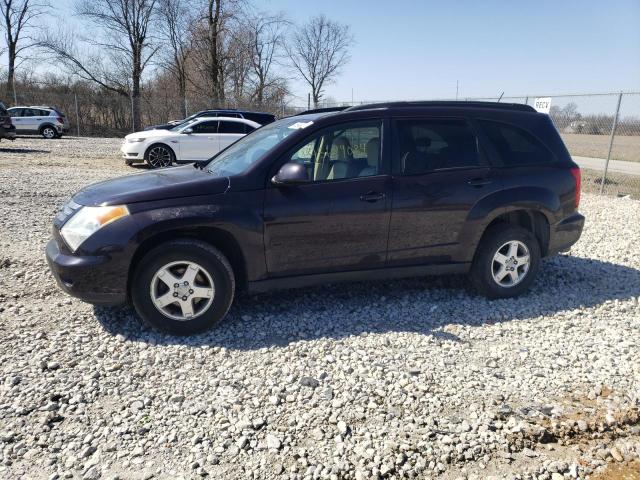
[(75, 96), (613, 134)]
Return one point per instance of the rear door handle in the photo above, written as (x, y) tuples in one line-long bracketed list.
[(478, 182), (372, 197)]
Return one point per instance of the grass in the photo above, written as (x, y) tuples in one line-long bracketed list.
[(625, 147), (616, 184)]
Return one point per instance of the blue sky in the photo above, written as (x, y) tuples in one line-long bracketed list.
[(418, 49)]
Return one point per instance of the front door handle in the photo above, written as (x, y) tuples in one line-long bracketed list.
[(372, 197), (478, 182)]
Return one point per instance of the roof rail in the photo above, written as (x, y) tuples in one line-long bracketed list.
[(447, 103), (323, 110)]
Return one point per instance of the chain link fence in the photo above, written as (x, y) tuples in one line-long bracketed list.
[(601, 131)]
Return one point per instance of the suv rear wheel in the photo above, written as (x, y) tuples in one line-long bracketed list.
[(183, 287), (48, 132), (506, 262)]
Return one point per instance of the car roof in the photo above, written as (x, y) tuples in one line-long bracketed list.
[(426, 104), (233, 110), (33, 106), (230, 119)]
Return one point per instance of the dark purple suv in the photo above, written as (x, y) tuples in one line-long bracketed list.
[(7, 129), (370, 192)]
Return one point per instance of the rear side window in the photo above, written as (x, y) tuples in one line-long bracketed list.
[(515, 145), (231, 127), (425, 145)]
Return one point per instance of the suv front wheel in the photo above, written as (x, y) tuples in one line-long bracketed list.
[(183, 287), (506, 262)]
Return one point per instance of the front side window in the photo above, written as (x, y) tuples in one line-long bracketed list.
[(346, 151), (425, 145), (515, 145), (205, 127)]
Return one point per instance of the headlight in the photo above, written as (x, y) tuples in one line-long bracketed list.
[(135, 140), (89, 220)]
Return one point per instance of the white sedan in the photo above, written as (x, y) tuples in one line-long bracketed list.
[(195, 141)]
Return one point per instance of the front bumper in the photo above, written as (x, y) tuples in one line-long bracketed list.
[(565, 233), (132, 153), (8, 133), (93, 279)]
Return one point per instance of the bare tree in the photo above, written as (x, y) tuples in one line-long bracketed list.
[(17, 18), (214, 66), (318, 50), (176, 33), (266, 45), (123, 35)]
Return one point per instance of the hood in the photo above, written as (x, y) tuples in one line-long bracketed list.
[(166, 183), (162, 126), (149, 134)]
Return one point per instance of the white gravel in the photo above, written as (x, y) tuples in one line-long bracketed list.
[(415, 378)]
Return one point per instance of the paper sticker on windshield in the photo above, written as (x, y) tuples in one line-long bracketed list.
[(299, 125)]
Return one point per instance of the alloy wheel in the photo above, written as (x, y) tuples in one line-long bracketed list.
[(48, 133), (182, 290), (159, 157), (510, 264)]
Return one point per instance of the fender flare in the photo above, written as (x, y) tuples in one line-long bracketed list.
[(487, 209)]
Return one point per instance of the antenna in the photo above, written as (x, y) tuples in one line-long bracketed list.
[(500, 98)]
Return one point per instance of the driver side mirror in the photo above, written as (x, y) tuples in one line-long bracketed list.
[(291, 174), (188, 131)]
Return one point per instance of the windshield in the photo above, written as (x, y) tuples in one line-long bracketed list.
[(251, 148), (182, 125)]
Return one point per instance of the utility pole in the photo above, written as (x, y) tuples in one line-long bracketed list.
[(308, 101), (456, 89)]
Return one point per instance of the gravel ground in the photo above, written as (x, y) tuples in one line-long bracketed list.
[(416, 378)]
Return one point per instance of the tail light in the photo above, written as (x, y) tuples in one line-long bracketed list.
[(576, 176), (60, 119)]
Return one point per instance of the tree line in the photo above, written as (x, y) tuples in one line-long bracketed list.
[(151, 60)]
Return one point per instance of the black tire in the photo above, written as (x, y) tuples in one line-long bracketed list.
[(484, 265), (210, 259), (49, 132), (168, 157)]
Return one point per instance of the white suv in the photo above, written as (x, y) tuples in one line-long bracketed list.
[(195, 141), (47, 121)]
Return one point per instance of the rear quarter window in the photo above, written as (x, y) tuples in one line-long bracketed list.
[(515, 145)]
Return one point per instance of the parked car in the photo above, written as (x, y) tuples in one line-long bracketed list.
[(7, 130), (377, 191), (259, 117), (196, 140), (47, 121)]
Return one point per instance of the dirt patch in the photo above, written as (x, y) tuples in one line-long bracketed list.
[(629, 471)]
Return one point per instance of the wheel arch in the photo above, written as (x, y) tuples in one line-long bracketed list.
[(532, 208), (161, 144), (45, 125), (531, 220), (216, 237)]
